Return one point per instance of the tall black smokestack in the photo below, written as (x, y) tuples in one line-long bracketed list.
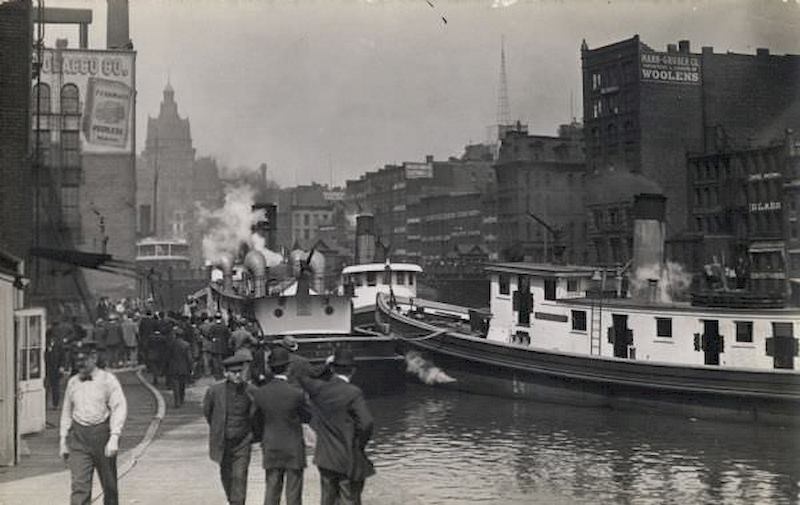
[(117, 26), (365, 239)]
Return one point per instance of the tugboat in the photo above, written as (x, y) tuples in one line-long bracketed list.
[(556, 333), (283, 303)]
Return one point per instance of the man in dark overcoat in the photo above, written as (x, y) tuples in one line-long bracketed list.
[(228, 408), (282, 409), (220, 335), (343, 425), (179, 368)]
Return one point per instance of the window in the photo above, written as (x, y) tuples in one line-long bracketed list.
[(505, 289), (549, 289), (579, 320), (410, 279), (572, 285), (69, 99), (401, 278), (70, 145), (664, 327), (69, 207), (744, 331), (371, 279), (306, 219), (42, 93)]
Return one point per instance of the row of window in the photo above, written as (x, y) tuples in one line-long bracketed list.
[(41, 99), (504, 281), (744, 329), (371, 278)]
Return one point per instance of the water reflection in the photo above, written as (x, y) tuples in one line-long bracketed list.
[(451, 448)]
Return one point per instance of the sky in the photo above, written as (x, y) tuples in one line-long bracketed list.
[(325, 90)]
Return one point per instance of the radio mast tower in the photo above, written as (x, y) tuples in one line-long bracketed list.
[(503, 109)]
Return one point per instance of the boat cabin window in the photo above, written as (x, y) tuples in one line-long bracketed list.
[(505, 288), (372, 279), (401, 278), (744, 331), (572, 285), (411, 278), (549, 289), (579, 320), (664, 327), (387, 277)]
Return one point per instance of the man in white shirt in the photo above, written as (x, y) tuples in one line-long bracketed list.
[(92, 418)]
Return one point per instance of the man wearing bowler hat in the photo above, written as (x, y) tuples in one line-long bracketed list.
[(228, 408), (343, 424), (92, 418), (281, 408)]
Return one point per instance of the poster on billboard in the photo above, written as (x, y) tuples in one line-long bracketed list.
[(670, 68), (106, 91), (106, 112)]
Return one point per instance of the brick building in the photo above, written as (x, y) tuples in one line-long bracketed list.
[(84, 161), (390, 193), (645, 109), (308, 213), (544, 176), (16, 198), (743, 206)]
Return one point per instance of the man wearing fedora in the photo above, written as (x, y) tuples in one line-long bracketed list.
[(343, 424), (92, 418), (281, 408), (228, 408)]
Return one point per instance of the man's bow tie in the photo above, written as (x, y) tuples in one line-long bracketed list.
[(87, 378)]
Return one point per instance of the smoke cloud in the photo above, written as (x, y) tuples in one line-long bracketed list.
[(673, 282), (426, 371), (229, 227)]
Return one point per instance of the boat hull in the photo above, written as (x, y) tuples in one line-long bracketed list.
[(485, 367), (379, 366)]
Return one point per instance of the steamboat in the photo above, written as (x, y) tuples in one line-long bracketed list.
[(557, 333)]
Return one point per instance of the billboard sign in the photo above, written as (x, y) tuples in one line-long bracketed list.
[(671, 68), (106, 90)]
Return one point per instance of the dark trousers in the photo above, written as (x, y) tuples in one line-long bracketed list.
[(233, 469), (274, 485), (179, 389), (54, 384), (338, 489), (86, 446)]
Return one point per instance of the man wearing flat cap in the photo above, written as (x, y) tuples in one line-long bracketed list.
[(228, 408), (92, 418), (343, 424), (281, 409)]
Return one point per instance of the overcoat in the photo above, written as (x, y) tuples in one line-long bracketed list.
[(215, 412), (281, 409), (343, 424)]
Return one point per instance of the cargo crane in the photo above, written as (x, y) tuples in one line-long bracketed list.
[(557, 233)]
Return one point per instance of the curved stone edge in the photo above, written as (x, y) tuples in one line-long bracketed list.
[(133, 456)]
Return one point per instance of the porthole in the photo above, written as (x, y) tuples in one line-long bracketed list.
[(329, 310), (278, 312)]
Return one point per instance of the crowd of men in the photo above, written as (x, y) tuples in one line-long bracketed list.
[(268, 395)]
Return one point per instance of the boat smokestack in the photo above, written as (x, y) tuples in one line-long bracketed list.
[(649, 231), (365, 239)]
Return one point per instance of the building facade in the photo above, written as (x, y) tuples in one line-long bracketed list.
[(84, 170), (541, 176), (645, 109)]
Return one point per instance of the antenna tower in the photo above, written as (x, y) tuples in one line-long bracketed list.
[(503, 109)]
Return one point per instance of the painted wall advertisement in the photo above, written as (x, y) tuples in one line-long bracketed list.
[(106, 92), (670, 68)]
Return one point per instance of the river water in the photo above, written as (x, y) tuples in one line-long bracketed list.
[(449, 448)]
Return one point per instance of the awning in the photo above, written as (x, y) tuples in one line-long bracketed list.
[(766, 247)]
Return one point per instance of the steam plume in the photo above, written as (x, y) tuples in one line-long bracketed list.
[(673, 281), (426, 371), (230, 226)]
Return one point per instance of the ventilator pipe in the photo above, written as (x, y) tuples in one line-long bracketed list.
[(225, 263), (256, 265)]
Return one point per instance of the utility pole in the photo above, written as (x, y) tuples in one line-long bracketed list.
[(155, 187)]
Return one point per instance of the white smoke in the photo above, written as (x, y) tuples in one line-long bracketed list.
[(673, 282), (230, 226), (426, 371)]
